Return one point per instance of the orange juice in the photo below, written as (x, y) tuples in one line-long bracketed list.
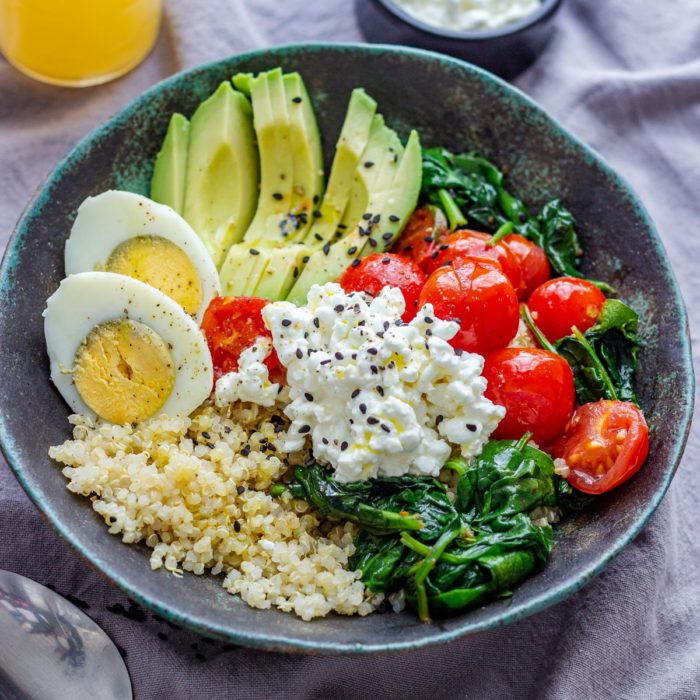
[(77, 42)]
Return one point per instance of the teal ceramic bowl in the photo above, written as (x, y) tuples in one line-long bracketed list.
[(450, 103)]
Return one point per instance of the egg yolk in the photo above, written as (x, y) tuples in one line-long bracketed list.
[(162, 264), (124, 371)]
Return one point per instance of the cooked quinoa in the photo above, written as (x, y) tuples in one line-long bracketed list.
[(194, 490)]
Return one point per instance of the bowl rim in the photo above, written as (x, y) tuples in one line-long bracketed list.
[(546, 9), (280, 641)]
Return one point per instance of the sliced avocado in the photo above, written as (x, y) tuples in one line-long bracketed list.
[(242, 269), (290, 155), (307, 154), (351, 143), (170, 168), (284, 267), (389, 209), (222, 171)]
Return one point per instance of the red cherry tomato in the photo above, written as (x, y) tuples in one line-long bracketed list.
[(479, 296), (231, 325), (462, 244), (534, 266), (604, 444), (422, 235), (536, 387), (559, 304), (380, 270)]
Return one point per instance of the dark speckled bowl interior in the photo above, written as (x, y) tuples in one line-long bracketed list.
[(450, 103)]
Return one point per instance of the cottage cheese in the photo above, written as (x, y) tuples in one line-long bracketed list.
[(251, 382), (377, 397), (467, 15)]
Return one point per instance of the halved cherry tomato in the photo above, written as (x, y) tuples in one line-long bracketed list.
[(466, 243), (534, 266), (536, 387), (380, 270), (559, 304), (422, 235), (604, 444), (231, 325), (480, 298)]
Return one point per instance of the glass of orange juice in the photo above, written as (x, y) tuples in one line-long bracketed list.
[(78, 42)]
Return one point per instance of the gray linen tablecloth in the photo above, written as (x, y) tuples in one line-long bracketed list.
[(624, 75)]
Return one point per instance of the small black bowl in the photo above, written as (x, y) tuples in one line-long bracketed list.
[(506, 51)]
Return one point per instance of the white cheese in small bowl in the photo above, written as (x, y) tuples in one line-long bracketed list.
[(469, 15), (376, 396)]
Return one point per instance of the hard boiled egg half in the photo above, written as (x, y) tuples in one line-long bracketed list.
[(128, 234), (123, 350)]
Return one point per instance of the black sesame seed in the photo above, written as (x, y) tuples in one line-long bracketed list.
[(317, 199), (444, 246), (387, 236), (428, 239), (305, 259), (380, 390), (428, 331), (459, 352), (316, 214), (367, 216), (236, 526), (245, 452), (372, 420), (386, 261), (318, 236), (342, 226), (305, 429), (326, 248), (386, 325), (374, 369), (210, 445), (286, 322), (339, 356), (299, 353), (324, 362), (277, 420), (385, 428), (368, 164), (471, 427), (308, 397), (227, 429), (316, 322), (343, 446), (355, 394), (363, 408), (352, 250), (439, 419), (407, 248), (373, 243), (393, 217), (372, 351), (355, 262), (277, 195), (296, 100), (376, 218), (324, 441), (253, 251), (296, 272), (206, 435), (428, 319), (338, 308), (434, 255)]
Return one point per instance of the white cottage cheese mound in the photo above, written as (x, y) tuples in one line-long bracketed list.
[(251, 382), (377, 397)]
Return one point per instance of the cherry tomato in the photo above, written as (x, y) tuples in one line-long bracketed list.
[(604, 444), (422, 235), (559, 304), (465, 243), (380, 270), (534, 266), (480, 298), (536, 387), (231, 325)]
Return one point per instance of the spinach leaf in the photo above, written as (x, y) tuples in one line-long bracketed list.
[(570, 499), (468, 184), (604, 359), (446, 556)]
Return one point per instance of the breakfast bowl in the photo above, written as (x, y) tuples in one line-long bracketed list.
[(505, 50), (543, 160)]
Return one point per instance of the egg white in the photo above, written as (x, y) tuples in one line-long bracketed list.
[(88, 299), (112, 217)]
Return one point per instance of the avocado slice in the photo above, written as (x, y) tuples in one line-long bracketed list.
[(354, 135), (242, 269), (170, 168), (283, 269), (222, 170), (307, 154), (390, 209), (290, 154)]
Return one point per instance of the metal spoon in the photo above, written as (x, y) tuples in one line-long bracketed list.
[(49, 649)]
